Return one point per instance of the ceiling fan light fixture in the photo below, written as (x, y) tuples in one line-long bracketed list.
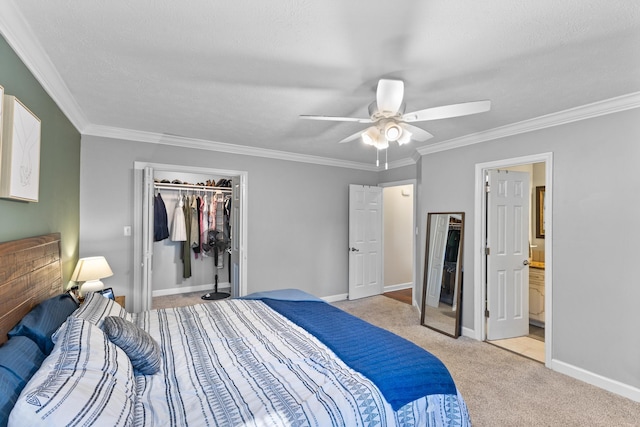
[(367, 139), (371, 136), (405, 138), (392, 131)]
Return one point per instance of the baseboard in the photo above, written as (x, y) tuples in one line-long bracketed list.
[(608, 384), (468, 332), (537, 323), (186, 289), (334, 298), (397, 287), (390, 288)]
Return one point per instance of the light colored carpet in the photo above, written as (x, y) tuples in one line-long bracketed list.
[(180, 300), (500, 388)]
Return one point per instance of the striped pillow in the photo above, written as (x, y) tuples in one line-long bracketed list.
[(96, 307), (142, 349), (86, 380)]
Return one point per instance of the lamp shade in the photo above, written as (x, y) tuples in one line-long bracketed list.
[(91, 268)]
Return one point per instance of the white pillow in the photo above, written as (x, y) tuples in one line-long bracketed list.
[(96, 307), (86, 380)]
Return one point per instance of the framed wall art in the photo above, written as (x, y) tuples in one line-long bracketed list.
[(1, 104), (20, 152)]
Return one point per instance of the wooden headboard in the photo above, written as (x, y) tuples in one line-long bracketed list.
[(30, 272)]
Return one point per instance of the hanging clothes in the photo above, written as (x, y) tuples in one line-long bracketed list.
[(178, 226), (213, 206), (186, 245), (195, 228), (160, 227), (227, 216), (201, 227), (227, 228)]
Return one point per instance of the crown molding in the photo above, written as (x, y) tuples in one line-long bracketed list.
[(201, 144), (400, 163), (588, 111), (15, 31)]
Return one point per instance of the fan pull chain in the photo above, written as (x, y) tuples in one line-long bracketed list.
[(377, 158), (386, 159)]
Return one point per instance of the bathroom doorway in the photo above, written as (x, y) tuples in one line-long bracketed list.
[(536, 341)]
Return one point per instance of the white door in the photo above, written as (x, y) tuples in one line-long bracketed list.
[(508, 254), (147, 240), (236, 239), (439, 230), (365, 241)]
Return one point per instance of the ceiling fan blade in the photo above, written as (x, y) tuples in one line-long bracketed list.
[(337, 119), (389, 96), (416, 133), (446, 111), (353, 137)]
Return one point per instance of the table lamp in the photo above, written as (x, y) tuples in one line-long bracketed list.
[(90, 270)]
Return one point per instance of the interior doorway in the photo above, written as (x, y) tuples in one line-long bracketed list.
[(539, 255), (399, 240)]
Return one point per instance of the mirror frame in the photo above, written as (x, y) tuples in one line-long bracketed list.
[(459, 276)]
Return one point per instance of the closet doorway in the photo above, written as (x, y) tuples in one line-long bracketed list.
[(162, 259)]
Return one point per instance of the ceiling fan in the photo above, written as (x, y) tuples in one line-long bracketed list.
[(390, 122)]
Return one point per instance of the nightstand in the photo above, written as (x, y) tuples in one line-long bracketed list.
[(120, 300)]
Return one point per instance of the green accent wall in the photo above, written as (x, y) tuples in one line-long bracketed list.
[(58, 207)]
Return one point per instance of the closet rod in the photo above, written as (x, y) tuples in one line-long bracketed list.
[(165, 186)]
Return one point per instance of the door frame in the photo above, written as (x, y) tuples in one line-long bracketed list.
[(138, 249), (480, 263), (414, 241)]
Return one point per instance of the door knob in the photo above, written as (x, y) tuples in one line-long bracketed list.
[(354, 250), (525, 262)]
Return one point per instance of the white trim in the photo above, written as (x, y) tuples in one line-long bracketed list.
[(15, 31), (467, 332), (398, 183), (597, 380), (397, 287), (201, 144), (334, 298), (224, 287), (479, 266), (401, 163), (588, 111)]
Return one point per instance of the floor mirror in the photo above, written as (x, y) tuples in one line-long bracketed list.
[(442, 286)]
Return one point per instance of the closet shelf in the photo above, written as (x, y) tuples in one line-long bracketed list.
[(169, 186)]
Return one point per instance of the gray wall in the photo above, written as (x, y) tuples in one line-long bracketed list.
[(298, 216), (595, 206), (57, 209), (298, 224)]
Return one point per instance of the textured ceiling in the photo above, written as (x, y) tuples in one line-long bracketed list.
[(240, 72)]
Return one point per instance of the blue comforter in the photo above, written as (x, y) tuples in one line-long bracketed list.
[(401, 370)]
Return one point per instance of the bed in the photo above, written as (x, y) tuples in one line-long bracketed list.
[(280, 358)]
